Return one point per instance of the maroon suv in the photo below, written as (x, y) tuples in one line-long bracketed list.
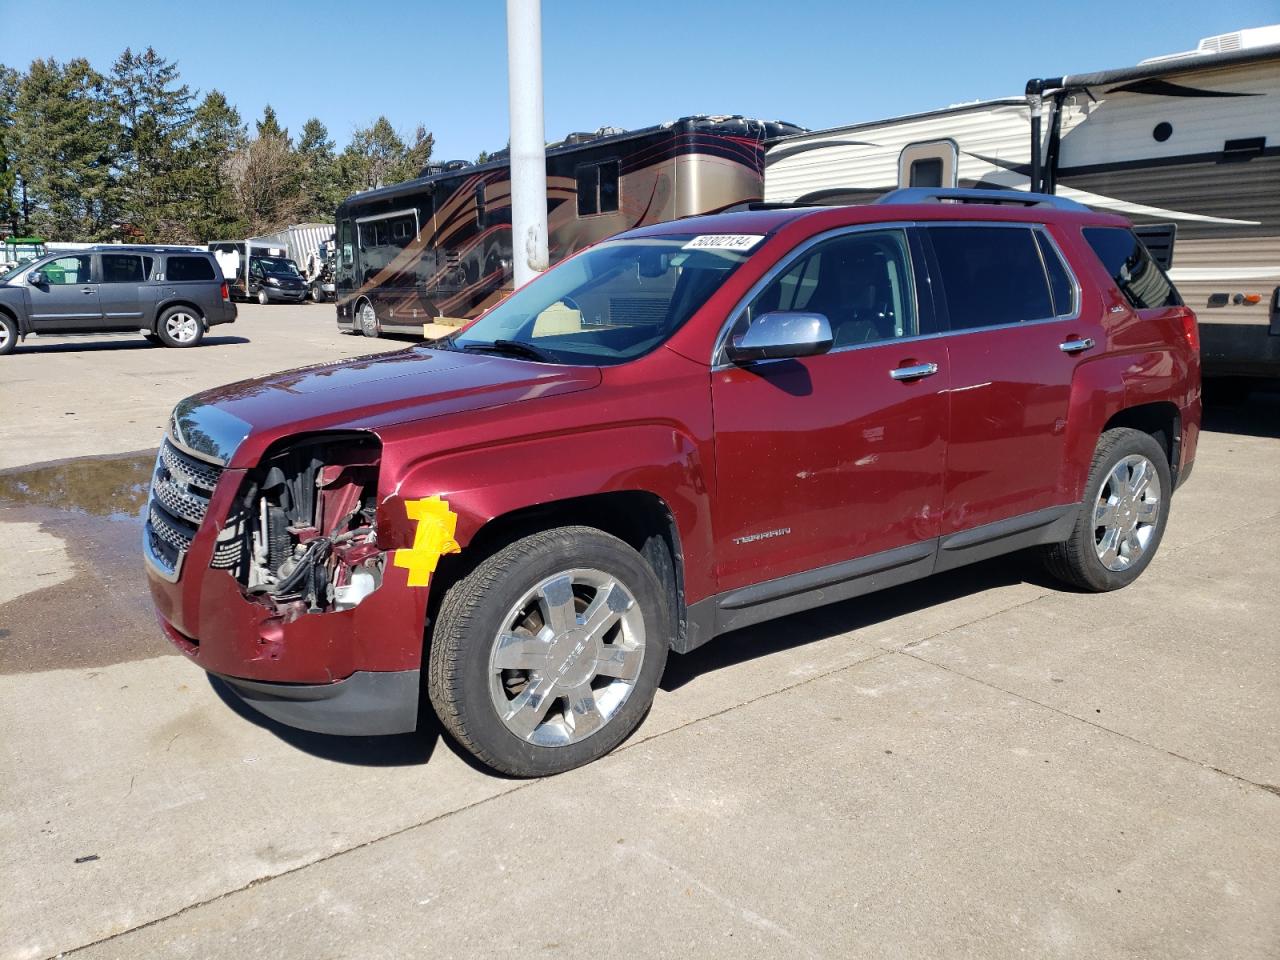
[(678, 432)]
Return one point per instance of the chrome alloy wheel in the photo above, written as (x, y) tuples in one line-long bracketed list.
[(567, 657), (182, 327), (4, 336), (368, 320), (1128, 508)]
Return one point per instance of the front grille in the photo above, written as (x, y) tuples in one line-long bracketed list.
[(180, 491)]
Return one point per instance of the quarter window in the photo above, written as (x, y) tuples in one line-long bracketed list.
[(121, 268), (991, 276), (861, 282), (188, 268), (1061, 288), (1139, 278)]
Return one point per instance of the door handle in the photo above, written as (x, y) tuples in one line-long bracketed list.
[(914, 372), (86, 290), (1076, 345)]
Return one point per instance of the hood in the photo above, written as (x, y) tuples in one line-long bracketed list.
[(235, 423)]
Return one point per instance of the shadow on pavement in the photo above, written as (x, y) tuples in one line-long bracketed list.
[(777, 635), (129, 342), (1256, 414)]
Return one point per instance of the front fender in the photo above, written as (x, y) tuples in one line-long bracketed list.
[(484, 483)]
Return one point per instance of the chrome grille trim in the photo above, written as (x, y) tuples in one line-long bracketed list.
[(181, 488)]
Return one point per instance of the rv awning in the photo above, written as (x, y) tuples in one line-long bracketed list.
[(1163, 68)]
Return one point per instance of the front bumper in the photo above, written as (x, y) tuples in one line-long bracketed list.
[(364, 704), (285, 296)]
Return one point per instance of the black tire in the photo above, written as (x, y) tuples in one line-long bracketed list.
[(262, 297), (471, 617), (366, 320), (8, 335), (1076, 561), (169, 339)]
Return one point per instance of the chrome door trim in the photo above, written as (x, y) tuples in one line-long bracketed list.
[(916, 371)]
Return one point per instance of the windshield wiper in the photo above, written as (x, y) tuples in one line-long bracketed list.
[(514, 348)]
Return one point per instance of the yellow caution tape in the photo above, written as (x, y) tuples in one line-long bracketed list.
[(432, 539)]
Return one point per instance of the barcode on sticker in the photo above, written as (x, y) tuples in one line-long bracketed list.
[(723, 241)]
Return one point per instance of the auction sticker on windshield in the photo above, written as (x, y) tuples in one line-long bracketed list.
[(723, 241)]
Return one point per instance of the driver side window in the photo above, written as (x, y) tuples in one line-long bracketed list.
[(66, 270), (861, 282)]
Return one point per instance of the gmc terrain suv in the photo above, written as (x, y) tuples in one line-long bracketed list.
[(172, 295), (683, 430)]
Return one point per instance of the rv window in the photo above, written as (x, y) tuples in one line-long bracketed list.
[(479, 204), (348, 254), (380, 234), (1139, 278), (926, 173), (609, 186), (588, 183), (991, 276), (1060, 285)]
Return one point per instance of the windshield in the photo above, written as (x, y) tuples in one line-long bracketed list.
[(15, 272), (612, 303), (278, 266)]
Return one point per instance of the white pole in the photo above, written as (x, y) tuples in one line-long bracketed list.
[(528, 147)]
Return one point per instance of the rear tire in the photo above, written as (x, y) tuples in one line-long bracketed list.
[(180, 327), (517, 672), (367, 320), (8, 335), (1122, 517)]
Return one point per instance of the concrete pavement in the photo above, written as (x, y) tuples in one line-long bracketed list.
[(982, 765)]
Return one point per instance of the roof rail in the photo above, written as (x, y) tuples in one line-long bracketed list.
[(943, 194)]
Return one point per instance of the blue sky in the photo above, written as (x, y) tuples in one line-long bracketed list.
[(818, 63)]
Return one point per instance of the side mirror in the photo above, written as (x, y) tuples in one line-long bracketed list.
[(781, 334), (36, 278)]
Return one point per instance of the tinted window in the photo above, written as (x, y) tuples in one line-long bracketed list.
[(588, 182), (1131, 267), (147, 264), (121, 268), (66, 270), (991, 275), (860, 282), (1060, 285), (479, 204), (609, 186), (926, 173), (188, 268)]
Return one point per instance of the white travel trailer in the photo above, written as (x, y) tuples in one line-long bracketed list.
[(1187, 143)]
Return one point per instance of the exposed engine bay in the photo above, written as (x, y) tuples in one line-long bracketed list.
[(301, 538)]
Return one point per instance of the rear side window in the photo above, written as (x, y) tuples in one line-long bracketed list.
[(1060, 285), (991, 275), (121, 268), (188, 268), (1142, 282)]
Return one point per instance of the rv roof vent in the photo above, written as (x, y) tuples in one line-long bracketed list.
[(1248, 39), (1221, 43)]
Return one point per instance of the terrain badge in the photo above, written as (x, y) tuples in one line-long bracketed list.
[(432, 539)]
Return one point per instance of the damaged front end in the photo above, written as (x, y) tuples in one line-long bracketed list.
[(301, 536)]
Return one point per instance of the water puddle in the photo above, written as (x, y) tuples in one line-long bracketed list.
[(114, 487)]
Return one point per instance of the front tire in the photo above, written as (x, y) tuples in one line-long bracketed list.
[(548, 654), (367, 319), (8, 335), (180, 327), (263, 298), (1122, 518)]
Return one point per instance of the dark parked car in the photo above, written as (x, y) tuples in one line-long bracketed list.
[(171, 295), (274, 279), (684, 430)]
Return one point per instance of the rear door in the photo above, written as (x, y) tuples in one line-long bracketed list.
[(67, 301), (1015, 336), (831, 458), (121, 291)]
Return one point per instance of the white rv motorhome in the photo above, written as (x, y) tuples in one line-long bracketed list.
[(1187, 143)]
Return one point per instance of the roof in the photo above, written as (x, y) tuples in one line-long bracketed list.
[(1164, 68), (146, 248), (954, 108)]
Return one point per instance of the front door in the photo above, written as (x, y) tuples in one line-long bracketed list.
[(67, 300), (1016, 337), (833, 457)]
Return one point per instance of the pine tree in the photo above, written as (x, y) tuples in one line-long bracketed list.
[(322, 191), (267, 179), (217, 133), (269, 126), (9, 207), (374, 156), (65, 132), (155, 119), (416, 156)]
